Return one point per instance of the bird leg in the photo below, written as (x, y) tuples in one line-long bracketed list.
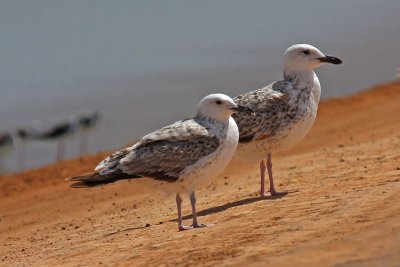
[(194, 213), (262, 173), (20, 159), (60, 151), (83, 143), (181, 227), (20, 154), (271, 179)]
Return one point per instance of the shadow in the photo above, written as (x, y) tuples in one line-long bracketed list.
[(212, 210), (229, 205), (125, 230)]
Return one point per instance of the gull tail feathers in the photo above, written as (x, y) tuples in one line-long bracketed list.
[(96, 179), (113, 160)]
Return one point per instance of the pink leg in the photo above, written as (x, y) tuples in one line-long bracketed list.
[(83, 144), (60, 151), (271, 179), (262, 173), (20, 159), (181, 227), (194, 213)]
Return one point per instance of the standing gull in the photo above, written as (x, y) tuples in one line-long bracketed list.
[(10, 141), (183, 156), (285, 110), (59, 132), (6, 146), (86, 123)]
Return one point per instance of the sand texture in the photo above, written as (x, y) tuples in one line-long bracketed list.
[(343, 206)]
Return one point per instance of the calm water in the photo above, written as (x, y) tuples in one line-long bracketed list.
[(145, 65)]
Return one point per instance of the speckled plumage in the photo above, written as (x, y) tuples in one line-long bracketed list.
[(285, 110), (165, 153), (184, 154), (279, 108), (179, 157)]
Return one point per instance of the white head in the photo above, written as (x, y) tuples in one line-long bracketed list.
[(304, 57), (219, 107)]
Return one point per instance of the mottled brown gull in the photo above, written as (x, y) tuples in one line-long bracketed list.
[(285, 110), (182, 156)]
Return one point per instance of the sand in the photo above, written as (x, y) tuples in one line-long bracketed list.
[(343, 206)]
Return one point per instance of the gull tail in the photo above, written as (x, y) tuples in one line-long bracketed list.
[(97, 179)]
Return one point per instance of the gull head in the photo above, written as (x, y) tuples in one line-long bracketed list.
[(304, 57), (219, 107)]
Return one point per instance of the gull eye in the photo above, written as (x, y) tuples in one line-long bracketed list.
[(219, 102), (306, 52)]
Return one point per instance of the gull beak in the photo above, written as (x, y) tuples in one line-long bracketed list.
[(330, 59), (244, 109)]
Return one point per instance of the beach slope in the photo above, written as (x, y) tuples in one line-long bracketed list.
[(343, 206)]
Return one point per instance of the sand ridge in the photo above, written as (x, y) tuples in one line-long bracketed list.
[(343, 208)]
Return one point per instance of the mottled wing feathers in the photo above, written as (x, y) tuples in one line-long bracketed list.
[(165, 159), (95, 179), (112, 161), (163, 154), (269, 104), (180, 130)]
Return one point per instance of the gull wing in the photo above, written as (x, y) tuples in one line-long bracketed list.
[(270, 105), (164, 153)]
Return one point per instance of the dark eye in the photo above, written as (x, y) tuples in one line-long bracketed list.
[(306, 52), (219, 102)]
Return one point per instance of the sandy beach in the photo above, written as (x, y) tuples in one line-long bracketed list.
[(343, 206)]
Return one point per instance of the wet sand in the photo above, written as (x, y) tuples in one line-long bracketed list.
[(343, 206)]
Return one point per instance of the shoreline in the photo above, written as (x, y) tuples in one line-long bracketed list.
[(342, 210)]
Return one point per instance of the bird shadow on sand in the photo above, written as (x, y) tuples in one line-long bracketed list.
[(238, 203), (212, 210), (125, 230)]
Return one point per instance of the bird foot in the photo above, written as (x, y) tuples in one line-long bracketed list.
[(199, 225), (182, 227), (272, 194), (193, 226)]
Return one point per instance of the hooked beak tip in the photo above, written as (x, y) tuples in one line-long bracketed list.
[(330, 59)]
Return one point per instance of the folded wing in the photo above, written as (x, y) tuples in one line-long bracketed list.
[(161, 155)]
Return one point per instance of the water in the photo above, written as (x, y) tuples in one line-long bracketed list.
[(147, 64)]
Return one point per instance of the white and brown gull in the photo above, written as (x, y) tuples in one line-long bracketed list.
[(6, 145), (182, 156), (285, 110), (10, 141)]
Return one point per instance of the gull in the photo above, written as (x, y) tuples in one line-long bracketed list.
[(6, 145), (59, 132), (285, 110), (9, 141), (86, 123), (182, 156)]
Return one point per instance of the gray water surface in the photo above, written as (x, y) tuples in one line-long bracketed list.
[(145, 64)]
